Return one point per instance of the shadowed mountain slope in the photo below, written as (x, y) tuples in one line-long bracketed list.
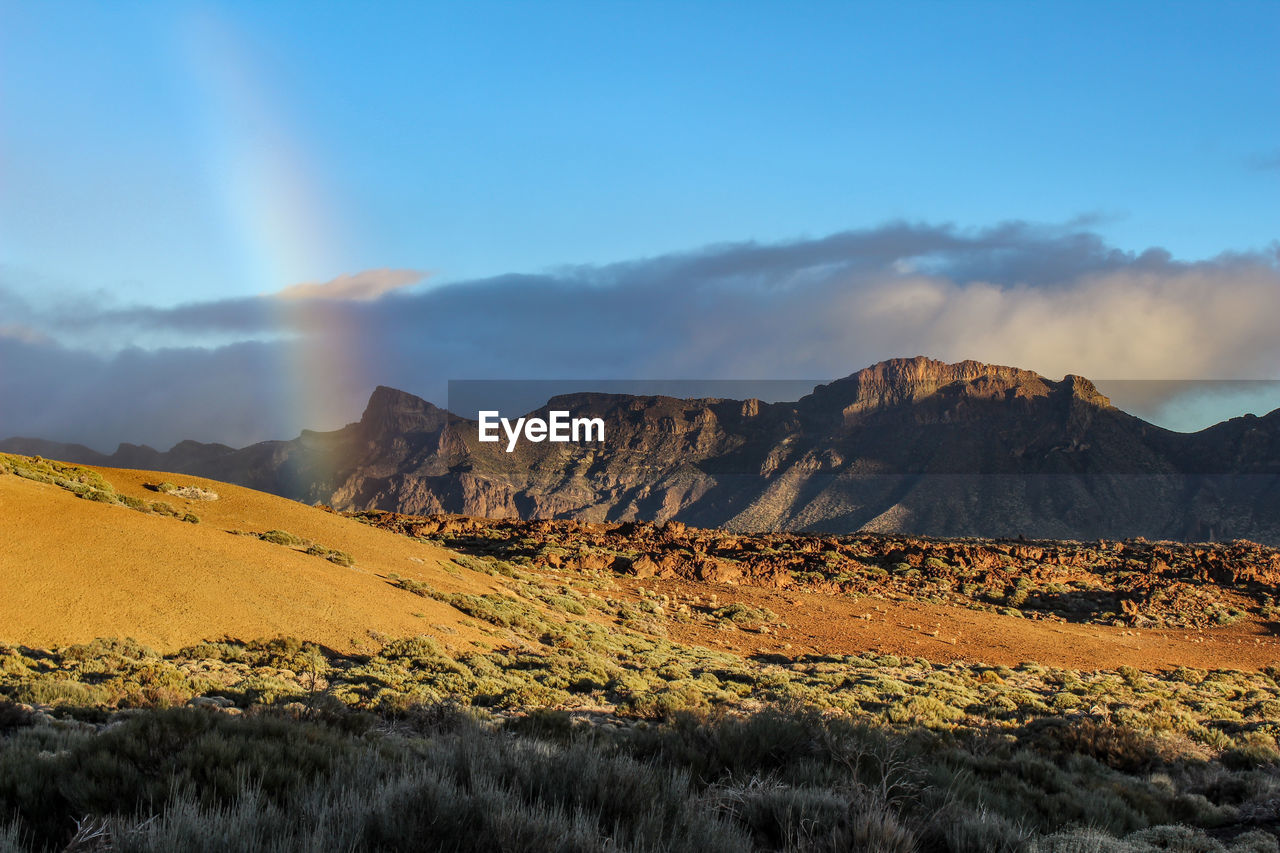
[(907, 445)]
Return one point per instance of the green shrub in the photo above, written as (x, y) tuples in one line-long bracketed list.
[(341, 558), (744, 614), (416, 587), (134, 503), (162, 508), (284, 537)]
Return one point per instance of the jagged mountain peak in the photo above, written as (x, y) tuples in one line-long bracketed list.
[(898, 381), (921, 368), (384, 397), (391, 410), (1086, 390), (921, 375), (907, 444)]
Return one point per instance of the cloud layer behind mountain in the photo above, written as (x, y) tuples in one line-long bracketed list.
[(1056, 300)]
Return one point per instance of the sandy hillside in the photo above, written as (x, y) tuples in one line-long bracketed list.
[(72, 570)]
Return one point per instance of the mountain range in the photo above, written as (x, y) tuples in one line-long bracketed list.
[(907, 445)]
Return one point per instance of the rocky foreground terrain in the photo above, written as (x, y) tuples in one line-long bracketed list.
[(1134, 583), (905, 446)]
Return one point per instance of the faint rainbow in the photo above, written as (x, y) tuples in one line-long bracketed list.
[(277, 218)]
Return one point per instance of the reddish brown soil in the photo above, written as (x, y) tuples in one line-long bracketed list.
[(825, 624), (893, 615)]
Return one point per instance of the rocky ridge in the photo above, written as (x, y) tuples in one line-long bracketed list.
[(908, 445)]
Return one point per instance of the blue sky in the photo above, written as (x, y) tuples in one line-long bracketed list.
[(483, 138), (1072, 187)]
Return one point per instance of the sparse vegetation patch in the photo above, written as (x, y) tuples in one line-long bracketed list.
[(191, 493), (80, 481), (88, 484), (1133, 583), (284, 537), (333, 555), (311, 750)]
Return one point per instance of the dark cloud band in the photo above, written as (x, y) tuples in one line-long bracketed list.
[(1056, 300)]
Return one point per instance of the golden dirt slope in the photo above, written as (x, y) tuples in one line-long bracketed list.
[(72, 570)]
